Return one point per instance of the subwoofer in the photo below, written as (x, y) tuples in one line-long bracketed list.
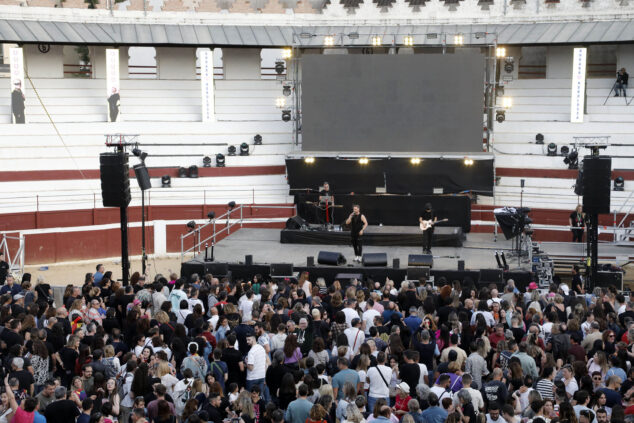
[(374, 259), (420, 260), (331, 258)]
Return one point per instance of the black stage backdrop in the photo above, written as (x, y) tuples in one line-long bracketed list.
[(400, 176), (393, 210), (393, 103)]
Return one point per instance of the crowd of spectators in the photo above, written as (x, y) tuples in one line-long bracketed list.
[(205, 349)]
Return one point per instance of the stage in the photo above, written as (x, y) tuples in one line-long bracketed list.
[(389, 236)]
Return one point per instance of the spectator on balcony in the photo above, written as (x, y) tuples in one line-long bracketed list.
[(621, 82), (17, 102)]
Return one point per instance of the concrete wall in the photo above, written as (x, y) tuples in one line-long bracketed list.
[(559, 62), (44, 65), (176, 62), (244, 63)]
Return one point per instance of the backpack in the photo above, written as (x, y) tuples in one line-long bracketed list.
[(111, 370)]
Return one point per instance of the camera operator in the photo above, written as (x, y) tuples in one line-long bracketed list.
[(621, 82)]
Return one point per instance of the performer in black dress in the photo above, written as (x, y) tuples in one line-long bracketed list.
[(357, 223), (577, 223), (427, 219)]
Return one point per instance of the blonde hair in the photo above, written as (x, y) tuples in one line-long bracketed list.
[(108, 351), (163, 368), (161, 317), (326, 390), (245, 404)]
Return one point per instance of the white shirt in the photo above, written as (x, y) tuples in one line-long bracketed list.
[(571, 387), (423, 373), (350, 314), (213, 322), (378, 388), (257, 358), (356, 337), (193, 301), (246, 308), (476, 399), (181, 315), (441, 392), (368, 318)]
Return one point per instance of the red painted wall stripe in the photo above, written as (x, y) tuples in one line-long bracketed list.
[(156, 172)]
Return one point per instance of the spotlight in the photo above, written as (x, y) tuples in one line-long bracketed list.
[(193, 171), (408, 41), (220, 160), (206, 161), (244, 149), (211, 214), (140, 154), (507, 102), (508, 65), (552, 149), (564, 150), (286, 89), (309, 160), (231, 205), (280, 67), (458, 39), (619, 184), (414, 161), (364, 161), (500, 116), (232, 150), (329, 41), (539, 139), (280, 102), (191, 225), (182, 172), (376, 41), (500, 52), (572, 160), (257, 139), (287, 53), (468, 161), (286, 115), (166, 181)]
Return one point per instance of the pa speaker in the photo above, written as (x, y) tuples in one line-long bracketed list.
[(607, 279), (248, 260), (420, 260), (310, 261), (415, 273), (492, 276), (217, 269), (396, 263), (596, 184), (374, 259), (115, 179), (579, 183), (461, 265), (142, 176), (331, 258), (295, 222)]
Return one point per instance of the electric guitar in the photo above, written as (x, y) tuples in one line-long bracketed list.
[(426, 224)]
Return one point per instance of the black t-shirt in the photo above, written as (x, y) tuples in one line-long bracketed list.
[(468, 411), (356, 224), (232, 357), (427, 215), (69, 357), (4, 270), (61, 411), (495, 392), (24, 377), (577, 219), (11, 338), (410, 373)]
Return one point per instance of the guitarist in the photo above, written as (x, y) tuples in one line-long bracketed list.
[(428, 215)]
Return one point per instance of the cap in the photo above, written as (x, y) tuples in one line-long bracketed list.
[(17, 297), (532, 285), (403, 386)]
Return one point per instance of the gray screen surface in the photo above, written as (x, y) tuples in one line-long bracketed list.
[(393, 103)]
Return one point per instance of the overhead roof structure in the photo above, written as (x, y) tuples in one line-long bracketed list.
[(201, 35)]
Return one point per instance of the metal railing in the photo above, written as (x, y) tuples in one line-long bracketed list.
[(15, 261), (226, 221)]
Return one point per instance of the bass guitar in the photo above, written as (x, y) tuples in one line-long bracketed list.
[(426, 224)]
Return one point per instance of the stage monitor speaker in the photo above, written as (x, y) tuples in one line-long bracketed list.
[(310, 261), (420, 260), (142, 176), (281, 269), (607, 279), (415, 273), (396, 263), (461, 265), (491, 276), (374, 259), (216, 269), (248, 260), (295, 222), (115, 179), (331, 258), (597, 184)]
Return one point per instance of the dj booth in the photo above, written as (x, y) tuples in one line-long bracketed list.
[(389, 209)]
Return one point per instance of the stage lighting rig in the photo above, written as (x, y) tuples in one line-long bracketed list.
[(468, 161), (364, 161), (309, 160), (191, 225), (140, 154), (500, 52), (408, 41), (280, 67), (166, 181), (244, 149), (619, 184), (572, 159), (329, 41), (231, 205), (539, 139), (206, 161), (287, 53), (376, 41), (507, 102), (509, 65), (182, 172), (552, 149), (232, 150), (286, 89), (257, 139), (500, 116), (286, 115), (211, 215), (458, 39), (193, 171), (564, 150), (280, 102), (220, 160), (415, 161)]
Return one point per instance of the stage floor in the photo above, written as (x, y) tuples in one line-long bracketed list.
[(477, 250), (409, 236)]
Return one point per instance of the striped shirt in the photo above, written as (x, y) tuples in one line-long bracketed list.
[(545, 389)]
